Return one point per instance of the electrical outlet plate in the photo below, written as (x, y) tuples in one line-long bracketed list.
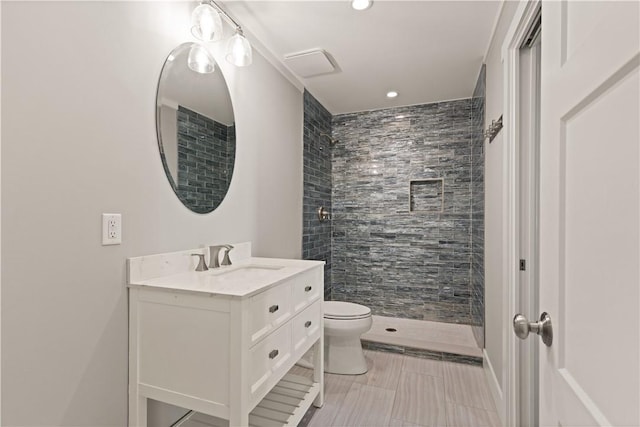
[(111, 229)]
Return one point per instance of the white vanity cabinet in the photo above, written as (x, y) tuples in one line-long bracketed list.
[(213, 343)]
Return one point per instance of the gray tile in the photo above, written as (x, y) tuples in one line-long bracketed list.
[(365, 405), (377, 157), (316, 240), (336, 388), (419, 265), (420, 400), (462, 416), (423, 366), (466, 385), (384, 370)]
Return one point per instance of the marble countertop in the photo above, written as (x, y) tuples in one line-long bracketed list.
[(244, 278)]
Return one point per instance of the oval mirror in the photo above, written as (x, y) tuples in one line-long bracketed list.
[(196, 131)]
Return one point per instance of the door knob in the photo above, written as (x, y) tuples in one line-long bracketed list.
[(522, 327)]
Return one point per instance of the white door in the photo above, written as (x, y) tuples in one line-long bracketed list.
[(589, 213)]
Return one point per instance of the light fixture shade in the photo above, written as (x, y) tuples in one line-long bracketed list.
[(239, 50), (206, 24), (200, 59), (361, 4)]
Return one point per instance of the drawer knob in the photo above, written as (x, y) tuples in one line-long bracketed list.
[(307, 323), (273, 354), (307, 288), (273, 308)]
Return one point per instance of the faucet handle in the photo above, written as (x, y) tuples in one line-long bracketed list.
[(202, 266), (226, 260)]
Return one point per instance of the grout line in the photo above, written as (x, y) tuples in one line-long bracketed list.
[(393, 405), (379, 387), (486, 411), (474, 407), (424, 374), (446, 410)]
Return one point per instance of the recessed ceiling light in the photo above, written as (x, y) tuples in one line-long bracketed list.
[(392, 94), (361, 4)]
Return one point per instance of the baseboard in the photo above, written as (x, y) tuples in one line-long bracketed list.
[(494, 386)]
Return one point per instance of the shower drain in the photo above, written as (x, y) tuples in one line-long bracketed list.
[(391, 330)]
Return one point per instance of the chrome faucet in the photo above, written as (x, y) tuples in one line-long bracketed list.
[(214, 254)]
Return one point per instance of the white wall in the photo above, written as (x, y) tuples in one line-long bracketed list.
[(495, 287), (78, 139)]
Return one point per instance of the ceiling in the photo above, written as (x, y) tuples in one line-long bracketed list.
[(427, 51)]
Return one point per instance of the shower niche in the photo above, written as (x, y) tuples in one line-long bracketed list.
[(426, 195)]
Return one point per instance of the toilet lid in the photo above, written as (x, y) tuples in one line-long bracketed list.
[(345, 310)]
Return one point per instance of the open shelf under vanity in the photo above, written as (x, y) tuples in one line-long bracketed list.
[(284, 405)]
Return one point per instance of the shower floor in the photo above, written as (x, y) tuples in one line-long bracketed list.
[(424, 335)]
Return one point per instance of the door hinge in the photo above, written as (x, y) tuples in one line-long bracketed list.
[(523, 265)]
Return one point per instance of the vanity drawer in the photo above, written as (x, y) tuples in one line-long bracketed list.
[(306, 327), (268, 310), (307, 288), (268, 358)]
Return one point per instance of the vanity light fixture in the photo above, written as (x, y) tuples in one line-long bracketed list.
[(200, 59), (206, 25), (361, 4), (392, 94), (239, 50)]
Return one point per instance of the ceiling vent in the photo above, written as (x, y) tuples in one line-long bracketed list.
[(310, 63)]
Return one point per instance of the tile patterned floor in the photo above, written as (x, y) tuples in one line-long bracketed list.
[(403, 391)]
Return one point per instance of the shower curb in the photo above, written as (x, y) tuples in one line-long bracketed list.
[(422, 353)]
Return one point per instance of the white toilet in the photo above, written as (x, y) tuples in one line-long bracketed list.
[(344, 322)]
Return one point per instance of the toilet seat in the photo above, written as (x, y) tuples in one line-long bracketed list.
[(340, 310)]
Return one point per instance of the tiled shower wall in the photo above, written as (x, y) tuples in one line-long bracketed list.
[(477, 209), (402, 254), (206, 155), (420, 256), (316, 235)]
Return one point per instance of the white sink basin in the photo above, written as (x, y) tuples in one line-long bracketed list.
[(245, 272)]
